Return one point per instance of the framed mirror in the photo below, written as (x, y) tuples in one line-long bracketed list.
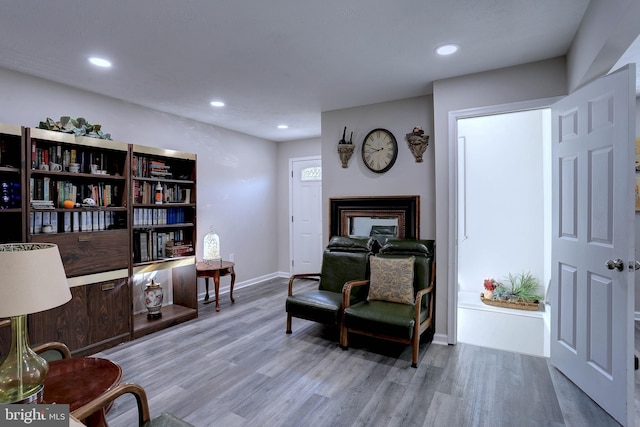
[(380, 217)]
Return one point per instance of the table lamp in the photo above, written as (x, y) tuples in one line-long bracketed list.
[(32, 279)]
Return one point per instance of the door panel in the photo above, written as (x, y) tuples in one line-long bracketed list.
[(593, 222), (306, 245)]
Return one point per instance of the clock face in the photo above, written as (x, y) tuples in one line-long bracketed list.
[(379, 150)]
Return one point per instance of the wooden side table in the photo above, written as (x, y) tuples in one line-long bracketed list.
[(79, 380), (216, 270)]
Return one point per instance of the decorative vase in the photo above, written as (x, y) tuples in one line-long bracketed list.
[(488, 294), (153, 296)]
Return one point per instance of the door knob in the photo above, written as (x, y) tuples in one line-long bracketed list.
[(615, 264), (634, 265)]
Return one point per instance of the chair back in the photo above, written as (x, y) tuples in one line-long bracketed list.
[(344, 259), (424, 252)]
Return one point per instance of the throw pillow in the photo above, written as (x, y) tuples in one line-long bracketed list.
[(392, 280)]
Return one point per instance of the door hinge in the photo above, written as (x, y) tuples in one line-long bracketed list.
[(291, 218), (635, 362)]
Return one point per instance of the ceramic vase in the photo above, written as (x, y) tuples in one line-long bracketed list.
[(153, 296)]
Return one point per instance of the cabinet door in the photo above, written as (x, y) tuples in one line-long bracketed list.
[(66, 324), (108, 309)]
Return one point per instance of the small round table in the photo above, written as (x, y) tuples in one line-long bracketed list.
[(215, 270), (79, 380)]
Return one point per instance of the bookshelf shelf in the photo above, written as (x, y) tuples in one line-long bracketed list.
[(100, 245), (163, 229)]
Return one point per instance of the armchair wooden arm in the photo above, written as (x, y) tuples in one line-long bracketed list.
[(61, 348), (346, 302), (347, 288), (300, 276), (137, 391)]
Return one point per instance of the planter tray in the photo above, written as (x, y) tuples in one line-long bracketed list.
[(531, 306)]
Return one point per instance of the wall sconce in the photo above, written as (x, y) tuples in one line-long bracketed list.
[(417, 142), (345, 149)]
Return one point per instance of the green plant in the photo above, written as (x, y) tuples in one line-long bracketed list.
[(520, 287), (79, 127)]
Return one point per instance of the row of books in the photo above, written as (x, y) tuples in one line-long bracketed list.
[(67, 222), (158, 216), (145, 167), (154, 245), (43, 154), (58, 191), (144, 192)]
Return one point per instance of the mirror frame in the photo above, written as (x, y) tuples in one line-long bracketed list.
[(406, 209)]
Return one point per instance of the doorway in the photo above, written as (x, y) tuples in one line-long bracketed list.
[(305, 207), (503, 223)]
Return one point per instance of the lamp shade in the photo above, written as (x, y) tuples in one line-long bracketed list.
[(32, 278)]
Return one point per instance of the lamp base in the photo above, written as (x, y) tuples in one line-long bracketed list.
[(36, 397), (22, 372)]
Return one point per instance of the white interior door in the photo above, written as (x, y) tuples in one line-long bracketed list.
[(306, 215), (593, 222)]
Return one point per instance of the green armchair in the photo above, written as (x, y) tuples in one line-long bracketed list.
[(344, 259), (389, 312)]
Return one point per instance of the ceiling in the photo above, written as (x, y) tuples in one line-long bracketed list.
[(279, 61)]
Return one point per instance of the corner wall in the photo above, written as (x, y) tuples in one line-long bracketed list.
[(527, 82)]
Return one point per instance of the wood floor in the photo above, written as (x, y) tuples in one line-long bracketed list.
[(237, 367)]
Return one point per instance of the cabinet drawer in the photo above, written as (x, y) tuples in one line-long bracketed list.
[(91, 252)]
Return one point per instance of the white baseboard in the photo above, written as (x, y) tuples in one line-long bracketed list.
[(440, 339)]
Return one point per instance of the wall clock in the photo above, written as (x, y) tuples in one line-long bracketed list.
[(379, 150)]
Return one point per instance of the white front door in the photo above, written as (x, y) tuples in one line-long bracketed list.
[(593, 226), (306, 215)]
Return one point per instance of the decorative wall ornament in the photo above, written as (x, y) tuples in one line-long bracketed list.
[(345, 149), (417, 142), (78, 127)]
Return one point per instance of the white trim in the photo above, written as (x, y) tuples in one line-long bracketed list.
[(453, 117)]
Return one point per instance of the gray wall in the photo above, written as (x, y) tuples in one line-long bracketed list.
[(509, 85), (237, 173), (288, 150), (406, 177)]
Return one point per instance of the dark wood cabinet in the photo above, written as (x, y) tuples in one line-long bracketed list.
[(12, 184), (142, 198), (97, 317)]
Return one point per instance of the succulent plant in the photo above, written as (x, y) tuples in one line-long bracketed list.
[(79, 127)]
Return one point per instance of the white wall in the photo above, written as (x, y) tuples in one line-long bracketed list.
[(502, 212), (606, 31), (286, 151), (237, 173), (537, 80), (406, 177)]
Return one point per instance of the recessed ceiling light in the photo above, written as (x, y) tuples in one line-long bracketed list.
[(100, 62), (283, 127), (447, 49), (217, 103)]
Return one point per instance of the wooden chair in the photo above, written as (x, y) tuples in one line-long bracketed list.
[(52, 351), (344, 259), (144, 416), (402, 322)]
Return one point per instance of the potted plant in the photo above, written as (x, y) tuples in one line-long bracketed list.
[(521, 287)]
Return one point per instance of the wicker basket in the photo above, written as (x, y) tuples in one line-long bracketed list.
[(531, 306)]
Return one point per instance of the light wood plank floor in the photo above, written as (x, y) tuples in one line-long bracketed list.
[(239, 368)]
